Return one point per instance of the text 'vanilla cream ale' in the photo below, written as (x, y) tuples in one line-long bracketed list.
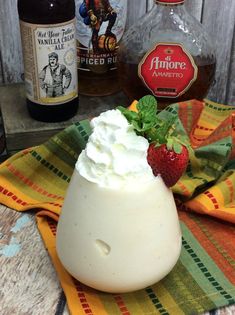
[(50, 63), (168, 54), (100, 26)]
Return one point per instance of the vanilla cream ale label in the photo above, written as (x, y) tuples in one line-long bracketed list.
[(50, 62), (100, 26)]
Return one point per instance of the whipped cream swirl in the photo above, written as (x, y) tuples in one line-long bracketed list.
[(114, 157)]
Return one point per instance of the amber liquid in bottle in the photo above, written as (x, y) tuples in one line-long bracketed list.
[(49, 13), (134, 87), (100, 80), (93, 84)]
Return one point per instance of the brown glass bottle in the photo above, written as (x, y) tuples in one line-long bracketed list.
[(49, 51), (100, 26), (169, 54)]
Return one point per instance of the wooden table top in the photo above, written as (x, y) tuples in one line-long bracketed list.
[(28, 282)]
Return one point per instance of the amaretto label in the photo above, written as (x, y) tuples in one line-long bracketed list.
[(50, 62), (168, 70)]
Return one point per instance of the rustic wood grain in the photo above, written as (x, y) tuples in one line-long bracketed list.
[(195, 8), (28, 282), (219, 19), (10, 44), (135, 11), (1, 72), (230, 95)]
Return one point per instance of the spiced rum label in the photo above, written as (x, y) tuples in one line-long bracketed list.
[(168, 70), (100, 26), (50, 62)]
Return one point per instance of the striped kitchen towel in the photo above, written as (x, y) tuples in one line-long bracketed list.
[(204, 277)]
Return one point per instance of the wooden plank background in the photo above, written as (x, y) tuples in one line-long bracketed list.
[(218, 16)]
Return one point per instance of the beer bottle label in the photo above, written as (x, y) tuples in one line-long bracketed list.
[(168, 70), (100, 26), (50, 62)]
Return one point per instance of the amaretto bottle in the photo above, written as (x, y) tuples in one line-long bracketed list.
[(50, 63), (169, 54), (100, 26)]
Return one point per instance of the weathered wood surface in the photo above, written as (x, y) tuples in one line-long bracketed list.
[(21, 131), (28, 282), (217, 15), (222, 27), (10, 45)]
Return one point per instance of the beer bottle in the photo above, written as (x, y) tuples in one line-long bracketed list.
[(168, 54), (100, 26), (49, 53)]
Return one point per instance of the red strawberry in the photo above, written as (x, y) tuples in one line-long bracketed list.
[(169, 164)]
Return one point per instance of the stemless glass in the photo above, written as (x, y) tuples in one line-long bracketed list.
[(118, 240)]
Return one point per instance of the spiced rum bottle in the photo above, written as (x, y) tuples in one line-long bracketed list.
[(100, 26), (169, 54), (49, 53)]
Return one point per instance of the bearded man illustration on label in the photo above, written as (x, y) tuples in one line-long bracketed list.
[(94, 13), (54, 78)]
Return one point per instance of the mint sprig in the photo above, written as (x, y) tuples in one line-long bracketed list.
[(146, 118), (156, 130)]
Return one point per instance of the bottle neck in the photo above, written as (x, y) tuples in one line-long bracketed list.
[(46, 11), (169, 7)]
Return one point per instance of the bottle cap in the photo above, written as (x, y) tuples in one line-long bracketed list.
[(171, 2)]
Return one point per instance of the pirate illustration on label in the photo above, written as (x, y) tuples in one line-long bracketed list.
[(94, 13), (54, 78)]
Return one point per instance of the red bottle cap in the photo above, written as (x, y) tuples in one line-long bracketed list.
[(172, 2)]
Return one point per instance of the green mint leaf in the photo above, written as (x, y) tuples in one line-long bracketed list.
[(130, 115), (146, 104), (147, 110), (137, 126)]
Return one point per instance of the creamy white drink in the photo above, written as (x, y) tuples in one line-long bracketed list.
[(118, 230)]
